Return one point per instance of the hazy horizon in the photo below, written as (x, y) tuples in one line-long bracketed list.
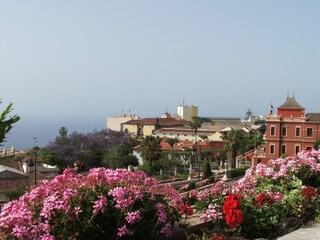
[(74, 63)]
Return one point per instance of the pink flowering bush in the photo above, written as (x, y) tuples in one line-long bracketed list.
[(105, 204), (267, 201)]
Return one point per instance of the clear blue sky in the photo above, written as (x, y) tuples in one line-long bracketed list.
[(73, 63)]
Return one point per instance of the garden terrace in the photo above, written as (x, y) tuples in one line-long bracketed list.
[(118, 204)]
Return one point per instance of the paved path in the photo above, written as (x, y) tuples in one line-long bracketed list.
[(310, 233)]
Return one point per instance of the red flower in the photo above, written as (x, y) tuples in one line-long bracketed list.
[(309, 193), (216, 237), (185, 208), (234, 218), (231, 202), (265, 198), (232, 209), (260, 198)]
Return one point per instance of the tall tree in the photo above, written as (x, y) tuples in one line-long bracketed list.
[(172, 141), (6, 122), (204, 137), (195, 124), (235, 141), (150, 151), (52, 158), (317, 144), (63, 131), (63, 134), (248, 114), (86, 149), (119, 156)]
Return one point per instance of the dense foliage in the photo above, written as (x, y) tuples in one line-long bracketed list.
[(151, 153), (94, 149), (266, 202), (6, 122), (105, 204)]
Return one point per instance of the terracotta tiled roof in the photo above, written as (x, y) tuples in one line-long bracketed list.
[(313, 117), (210, 145), (291, 103), (216, 124), (153, 121), (184, 130)]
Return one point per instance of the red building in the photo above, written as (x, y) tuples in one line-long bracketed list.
[(288, 132)]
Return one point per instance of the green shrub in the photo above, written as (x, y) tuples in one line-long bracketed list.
[(212, 178), (192, 185), (207, 171), (237, 172), (15, 194)]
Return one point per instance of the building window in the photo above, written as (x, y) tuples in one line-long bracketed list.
[(309, 148), (272, 150), (297, 149), (283, 149), (298, 131), (284, 131), (272, 131), (309, 132)]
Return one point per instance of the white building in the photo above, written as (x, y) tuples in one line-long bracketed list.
[(114, 123), (187, 112)]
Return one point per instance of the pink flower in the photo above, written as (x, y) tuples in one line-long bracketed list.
[(162, 216), (211, 213), (47, 237), (133, 217), (123, 231), (77, 210), (99, 205), (150, 181), (166, 230), (56, 204)]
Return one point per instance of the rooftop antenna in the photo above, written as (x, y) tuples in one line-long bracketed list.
[(182, 102), (294, 93), (287, 93)]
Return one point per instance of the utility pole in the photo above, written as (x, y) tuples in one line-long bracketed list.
[(35, 160)]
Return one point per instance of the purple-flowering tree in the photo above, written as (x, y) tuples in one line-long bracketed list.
[(86, 150)]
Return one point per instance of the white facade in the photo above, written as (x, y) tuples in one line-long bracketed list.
[(188, 136), (41, 167), (114, 123), (187, 112)]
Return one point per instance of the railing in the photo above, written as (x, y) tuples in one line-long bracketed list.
[(6, 154)]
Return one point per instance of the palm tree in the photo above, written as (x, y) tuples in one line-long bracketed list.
[(150, 151), (171, 142), (195, 124), (63, 131), (235, 141), (7, 124)]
